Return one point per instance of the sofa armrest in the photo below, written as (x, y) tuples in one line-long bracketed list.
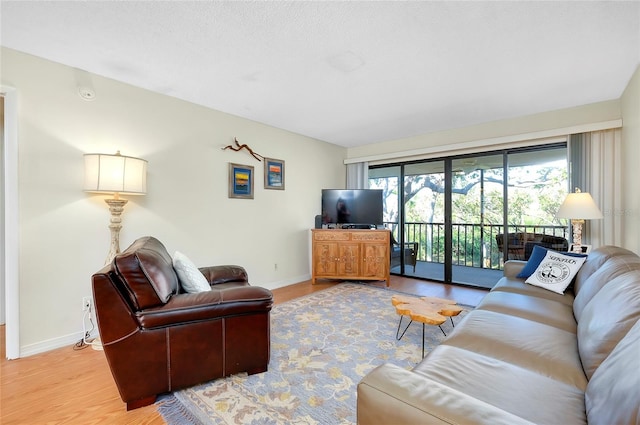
[(513, 267), (392, 395), (208, 305), (223, 274), (113, 310)]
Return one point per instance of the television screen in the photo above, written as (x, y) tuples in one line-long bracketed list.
[(352, 206)]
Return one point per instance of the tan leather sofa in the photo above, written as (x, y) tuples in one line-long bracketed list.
[(526, 355), (157, 338)]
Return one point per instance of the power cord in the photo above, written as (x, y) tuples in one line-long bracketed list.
[(80, 345), (84, 342)]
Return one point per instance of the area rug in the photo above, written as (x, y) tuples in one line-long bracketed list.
[(322, 345)]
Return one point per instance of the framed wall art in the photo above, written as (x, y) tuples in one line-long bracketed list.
[(240, 181), (273, 174)]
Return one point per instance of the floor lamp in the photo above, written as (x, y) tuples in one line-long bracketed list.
[(578, 207), (114, 174), (118, 175)]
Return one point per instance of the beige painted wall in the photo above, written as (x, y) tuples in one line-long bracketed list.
[(630, 104), (64, 236)]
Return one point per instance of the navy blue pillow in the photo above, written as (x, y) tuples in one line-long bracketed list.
[(537, 255)]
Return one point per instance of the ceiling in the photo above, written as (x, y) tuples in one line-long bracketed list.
[(346, 72)]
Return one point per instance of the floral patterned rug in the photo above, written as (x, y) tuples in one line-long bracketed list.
[(322, 345)]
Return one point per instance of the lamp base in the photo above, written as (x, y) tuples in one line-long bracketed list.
[(116, 206), (577, 235), (96, 344)]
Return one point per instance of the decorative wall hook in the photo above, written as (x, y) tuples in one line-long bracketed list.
[(243, 146)]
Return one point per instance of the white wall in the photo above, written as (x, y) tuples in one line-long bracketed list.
[(630, 215), (64, 236)]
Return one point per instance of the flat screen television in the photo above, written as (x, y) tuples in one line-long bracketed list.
[(358, 208)]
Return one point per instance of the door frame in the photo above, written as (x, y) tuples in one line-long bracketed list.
[(11, 231)]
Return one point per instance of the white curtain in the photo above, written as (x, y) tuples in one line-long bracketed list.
[(358, 175), (599, 172)]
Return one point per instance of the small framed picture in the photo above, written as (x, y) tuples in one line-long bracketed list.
[(584, 249), (273, 174), (240, 181)]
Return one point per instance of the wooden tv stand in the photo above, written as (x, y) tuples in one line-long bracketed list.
[(350, 254)]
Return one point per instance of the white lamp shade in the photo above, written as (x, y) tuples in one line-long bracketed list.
[(115, 174), (579, 206)]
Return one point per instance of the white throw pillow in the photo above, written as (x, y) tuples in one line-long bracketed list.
[(556, 271), (191, 279)]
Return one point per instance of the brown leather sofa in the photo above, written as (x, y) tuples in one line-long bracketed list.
[(526, 355), (157, 338)]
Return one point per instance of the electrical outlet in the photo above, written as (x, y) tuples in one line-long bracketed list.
[(86, 303)]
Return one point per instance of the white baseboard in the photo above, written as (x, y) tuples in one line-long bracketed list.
[(51, 344), (282, 283)]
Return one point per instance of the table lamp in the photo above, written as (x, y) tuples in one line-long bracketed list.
[(578, 207), (118, 175)]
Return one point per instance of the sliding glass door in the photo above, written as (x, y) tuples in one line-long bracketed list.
[(457, 219), (476, 218), (537, 184), (423, 211)]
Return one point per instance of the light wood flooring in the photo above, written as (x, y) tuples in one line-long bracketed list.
[(67, 386)]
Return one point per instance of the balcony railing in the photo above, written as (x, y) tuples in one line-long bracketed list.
[(474, 245)]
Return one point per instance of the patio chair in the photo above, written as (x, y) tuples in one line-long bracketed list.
[(520, 244), (408, 254)]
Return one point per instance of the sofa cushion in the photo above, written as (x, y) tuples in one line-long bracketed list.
[(391, 394), (556, 271), (146, 268), (612, 395), (541, 348), (542, 310), (596, 259), (608, 271), (522, 392), (191, 279), (607, 319)]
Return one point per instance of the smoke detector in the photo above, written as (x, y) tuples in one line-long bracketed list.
[(86, 93)]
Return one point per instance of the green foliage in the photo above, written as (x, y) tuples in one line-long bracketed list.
[(535, 194)]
